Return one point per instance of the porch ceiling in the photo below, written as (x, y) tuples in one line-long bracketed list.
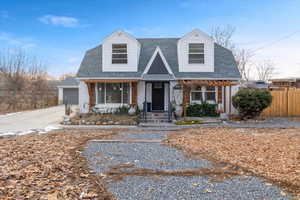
[(190, 83), (112, 81)]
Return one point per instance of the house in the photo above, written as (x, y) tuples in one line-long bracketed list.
[(155, 73), (255, 84), (68, 91), (285, 83)]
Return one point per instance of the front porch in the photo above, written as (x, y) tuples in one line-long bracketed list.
[(158, 96)]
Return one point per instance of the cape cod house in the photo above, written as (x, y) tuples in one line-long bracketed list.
[(155, 73)]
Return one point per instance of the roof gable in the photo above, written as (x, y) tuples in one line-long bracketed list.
[(158, 64)]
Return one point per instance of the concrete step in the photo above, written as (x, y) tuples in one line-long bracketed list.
[(154, 121)]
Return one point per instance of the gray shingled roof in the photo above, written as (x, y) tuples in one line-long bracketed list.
[(68, 82), (225, 66)]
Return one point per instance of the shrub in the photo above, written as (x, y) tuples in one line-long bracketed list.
[(122, 110), (202, 110), (251, 102)]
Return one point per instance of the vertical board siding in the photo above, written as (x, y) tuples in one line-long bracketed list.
[(134, 93), (285, 103)]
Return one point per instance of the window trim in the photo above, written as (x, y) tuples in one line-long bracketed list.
[(199, 53), (203, 90), (122, 99), (112, 53)]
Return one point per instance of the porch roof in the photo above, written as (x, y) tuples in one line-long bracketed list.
[(111, 81), (158, 77), (190, 83)]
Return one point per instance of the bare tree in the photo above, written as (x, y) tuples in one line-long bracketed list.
[(24, 80), (243, 61), (223, 37), (265, 70)]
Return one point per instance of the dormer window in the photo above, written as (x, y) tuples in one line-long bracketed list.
[(119, 54), (196, 53)]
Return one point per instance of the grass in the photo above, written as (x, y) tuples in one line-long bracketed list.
[(189, 122)]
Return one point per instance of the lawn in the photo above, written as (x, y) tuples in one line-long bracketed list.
[(50, 166), (273, 154)]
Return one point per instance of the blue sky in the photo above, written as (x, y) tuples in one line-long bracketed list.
[(60, 31)]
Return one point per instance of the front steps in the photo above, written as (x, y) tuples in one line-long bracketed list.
[(155, 117)]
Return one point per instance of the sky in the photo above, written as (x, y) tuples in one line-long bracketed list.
[(60, 31)]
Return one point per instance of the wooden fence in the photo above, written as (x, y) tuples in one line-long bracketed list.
[(286, 103)]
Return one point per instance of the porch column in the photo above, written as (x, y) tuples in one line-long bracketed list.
[(92, 97), (169, 103), (186, 98), (134, 93), (145, 102)]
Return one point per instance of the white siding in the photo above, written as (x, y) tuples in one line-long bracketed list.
[(196, 36), (83, 97), (176, 95), (166, 96), (234, 90), (133, 50), (140, 94), (60, 95)]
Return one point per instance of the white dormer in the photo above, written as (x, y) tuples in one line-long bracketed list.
[(196, 52), (120, 53)]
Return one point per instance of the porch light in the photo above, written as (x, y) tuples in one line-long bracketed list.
[(177, 87)]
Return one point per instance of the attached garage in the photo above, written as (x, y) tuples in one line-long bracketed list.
[(68, 91), (70, 96)]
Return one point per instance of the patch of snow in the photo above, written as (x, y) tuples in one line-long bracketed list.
[(39, 131)]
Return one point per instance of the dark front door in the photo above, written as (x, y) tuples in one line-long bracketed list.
[(158, 96)]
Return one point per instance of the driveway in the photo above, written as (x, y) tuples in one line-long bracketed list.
[(142, 168), (28, 121)]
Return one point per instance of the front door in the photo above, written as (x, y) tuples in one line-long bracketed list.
[(158, 96)]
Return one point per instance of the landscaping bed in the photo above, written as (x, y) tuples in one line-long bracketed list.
[(102, 119), (50, 166), (273, 154)]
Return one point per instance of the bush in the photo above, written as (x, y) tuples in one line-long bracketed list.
[(251, 102), (202, 110), (123, 110)]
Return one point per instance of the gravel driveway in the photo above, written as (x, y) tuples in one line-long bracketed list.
[(24, 122), (102, 156)]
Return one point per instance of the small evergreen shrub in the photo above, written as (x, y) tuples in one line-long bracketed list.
[(251, 102), (123, 110), (202, 110)]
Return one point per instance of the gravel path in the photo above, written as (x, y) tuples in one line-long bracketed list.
[(154, 156)]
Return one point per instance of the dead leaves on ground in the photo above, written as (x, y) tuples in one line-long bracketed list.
[(49, 166), (270, 153)]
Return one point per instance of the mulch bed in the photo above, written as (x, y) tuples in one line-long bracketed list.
[(50, 166), (273, 154), (102, 119)]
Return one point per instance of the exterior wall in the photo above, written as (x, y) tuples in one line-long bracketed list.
[(229, 107), (177, 95), (83, 97), (183, 49), (133, 51), (60, 96), (141, 94)]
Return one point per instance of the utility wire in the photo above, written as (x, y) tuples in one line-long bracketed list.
[(276, 41)]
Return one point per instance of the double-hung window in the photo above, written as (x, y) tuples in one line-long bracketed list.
[(204, 93), (210, 94), (196, 53), (197, 95), (116, 93), (119, 54)]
